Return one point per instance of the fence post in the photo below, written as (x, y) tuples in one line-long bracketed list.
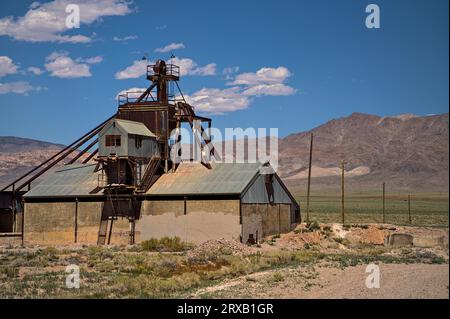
[(409, 209), (342, 192), (309, 178), (384, 203)]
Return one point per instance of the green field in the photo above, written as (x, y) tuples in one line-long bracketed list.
[(426, 209)]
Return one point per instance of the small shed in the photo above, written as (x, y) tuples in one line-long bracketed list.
[(123, 138)]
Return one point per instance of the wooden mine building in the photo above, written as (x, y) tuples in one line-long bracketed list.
[(128, 189)]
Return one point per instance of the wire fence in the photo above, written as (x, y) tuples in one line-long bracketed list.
[(417, 210)]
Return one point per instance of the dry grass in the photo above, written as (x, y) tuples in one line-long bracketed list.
[(124, 272)]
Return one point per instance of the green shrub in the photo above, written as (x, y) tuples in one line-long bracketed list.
[(278, 276), (342, 241), (167, 244)]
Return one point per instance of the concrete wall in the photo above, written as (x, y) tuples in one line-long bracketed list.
[(265, 219), (204, 219), (54, 224)]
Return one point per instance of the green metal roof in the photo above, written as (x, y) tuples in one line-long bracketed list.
[(195, 179), (189, 179), (69, 180), (132, 127)]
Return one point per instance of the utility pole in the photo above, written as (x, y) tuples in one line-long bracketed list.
[(309, 178), (342, 191), (409, 209), (384, 202)]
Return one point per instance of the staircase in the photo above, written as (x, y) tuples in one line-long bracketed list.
[(148, 178), (103, 230)]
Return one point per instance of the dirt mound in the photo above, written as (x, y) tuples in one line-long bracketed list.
[(215, 247), (298, 239), (369, 235)]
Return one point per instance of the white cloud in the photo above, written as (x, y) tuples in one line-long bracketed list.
[(92, 60), (209, 69), (262, 76), (19, 87), (190, 67), (266, 81), (7, 66), (35, 70), (62, 66), (171, 47), (47, 21), (137, 69), (126, 38), (217, 101), (269, 89)]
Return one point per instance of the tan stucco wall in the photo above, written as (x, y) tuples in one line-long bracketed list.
[(54, 224), (266, 219), (203, 220)]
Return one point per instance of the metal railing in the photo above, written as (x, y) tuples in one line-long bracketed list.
[(171, 69)]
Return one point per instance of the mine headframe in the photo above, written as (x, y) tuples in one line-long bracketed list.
[(162, 107)]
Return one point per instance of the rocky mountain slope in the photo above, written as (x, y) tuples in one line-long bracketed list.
[(407, 152), (19, 155)]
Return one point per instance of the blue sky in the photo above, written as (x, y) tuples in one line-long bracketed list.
[(316, 61)]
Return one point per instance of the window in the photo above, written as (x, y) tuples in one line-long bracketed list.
[(138, 141), (112, 140)]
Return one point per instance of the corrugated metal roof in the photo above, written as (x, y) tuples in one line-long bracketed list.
[(194, 178), (132, 127), (70, 180)]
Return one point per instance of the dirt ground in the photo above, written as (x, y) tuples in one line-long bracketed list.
[(312, 261), (325, 280), (401, 281)]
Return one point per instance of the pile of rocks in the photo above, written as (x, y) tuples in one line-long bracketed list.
[(213, 248)]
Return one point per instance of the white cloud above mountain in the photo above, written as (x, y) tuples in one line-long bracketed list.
[(218, 101), (243, 88)]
